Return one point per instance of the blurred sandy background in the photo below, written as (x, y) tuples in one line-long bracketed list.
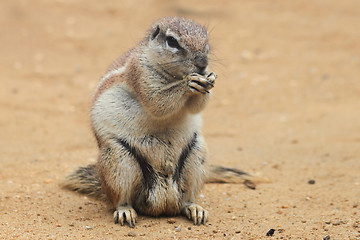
[(286, 106)]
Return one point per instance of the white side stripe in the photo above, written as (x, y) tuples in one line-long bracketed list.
[(115, 72)]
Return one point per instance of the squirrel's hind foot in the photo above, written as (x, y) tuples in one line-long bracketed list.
[(196, 213), (125, 214)]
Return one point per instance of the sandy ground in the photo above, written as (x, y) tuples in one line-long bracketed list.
[(286, 106)]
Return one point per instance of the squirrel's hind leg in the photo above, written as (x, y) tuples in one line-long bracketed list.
[(120, 176)]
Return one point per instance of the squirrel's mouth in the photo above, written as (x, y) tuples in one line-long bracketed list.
[(201, 70), (165, 74), (178, 75)]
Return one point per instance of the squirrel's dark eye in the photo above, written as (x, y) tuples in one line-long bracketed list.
[(172, 42)]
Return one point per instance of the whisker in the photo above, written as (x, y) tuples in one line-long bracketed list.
[(172, 62), (173, 67)]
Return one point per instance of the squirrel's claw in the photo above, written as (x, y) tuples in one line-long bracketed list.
[(211, 78), (196, 213), (125, 213)]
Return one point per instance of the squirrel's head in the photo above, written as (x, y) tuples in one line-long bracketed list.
[(177, 46)]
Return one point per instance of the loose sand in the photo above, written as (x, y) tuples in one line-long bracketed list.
[(286, 106)]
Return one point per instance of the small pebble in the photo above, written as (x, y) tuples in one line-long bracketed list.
[(327, 237), (178, 229), (189, 228), (339, 222), (49, 180), (171, 220), (311, 181), (270, 232), (356, 225), (88, 227), (131, 234)]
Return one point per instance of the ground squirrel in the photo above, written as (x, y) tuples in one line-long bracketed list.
[(146, 119)]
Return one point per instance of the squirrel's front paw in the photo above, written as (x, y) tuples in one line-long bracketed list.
[(201, 84), (196, 213), (125, 213)]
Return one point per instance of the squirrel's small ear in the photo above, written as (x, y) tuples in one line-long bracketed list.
[(156, 32)]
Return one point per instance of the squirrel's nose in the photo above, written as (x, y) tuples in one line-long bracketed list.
[(201, 62)]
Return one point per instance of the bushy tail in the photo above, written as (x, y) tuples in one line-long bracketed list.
[(85, 180), (218, 174)]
